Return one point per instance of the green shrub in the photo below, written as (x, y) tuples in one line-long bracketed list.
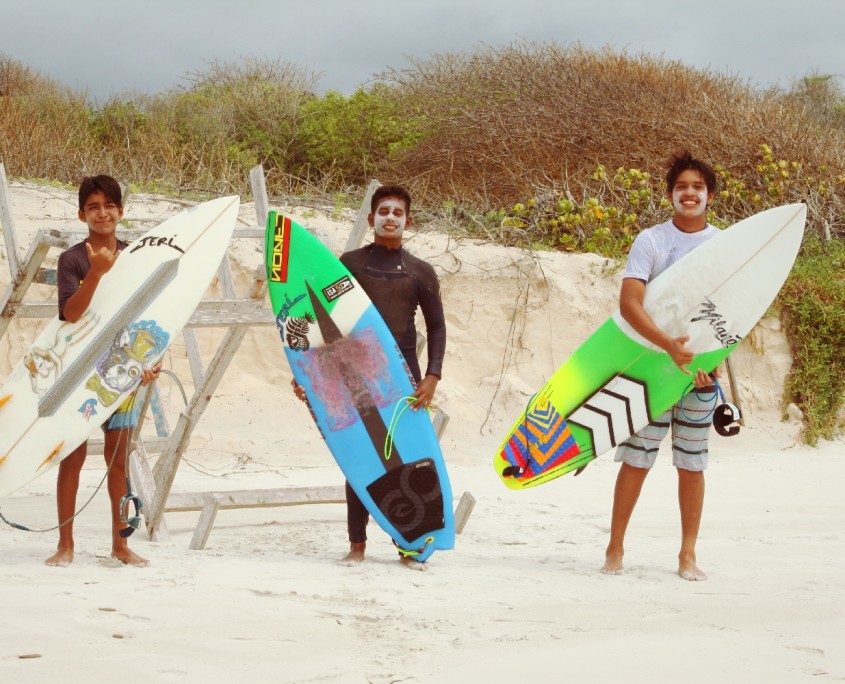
[(813, 311), (351, 138)]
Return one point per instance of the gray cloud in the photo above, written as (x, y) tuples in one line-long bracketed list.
[(108, 48)]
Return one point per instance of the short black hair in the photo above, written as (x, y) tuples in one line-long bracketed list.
[(682, 161), (390, 191), (105, 184)]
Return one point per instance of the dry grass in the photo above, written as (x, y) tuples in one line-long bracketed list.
[(502, 122)]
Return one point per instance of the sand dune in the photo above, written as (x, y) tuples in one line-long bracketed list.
[(519, 599)]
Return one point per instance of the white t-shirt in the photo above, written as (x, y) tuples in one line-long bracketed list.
[(657, 248)]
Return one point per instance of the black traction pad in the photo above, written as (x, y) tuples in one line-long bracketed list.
[(410, 498)]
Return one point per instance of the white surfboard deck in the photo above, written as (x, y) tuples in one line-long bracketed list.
[(75, 375), (617, 381), (739, 270)]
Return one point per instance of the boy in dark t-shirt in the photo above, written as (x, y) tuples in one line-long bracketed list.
[(80, 269)]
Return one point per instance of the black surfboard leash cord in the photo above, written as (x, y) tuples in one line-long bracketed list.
[(24, 528), (133, 521)]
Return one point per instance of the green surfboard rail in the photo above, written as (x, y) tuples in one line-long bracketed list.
[(605, 356)]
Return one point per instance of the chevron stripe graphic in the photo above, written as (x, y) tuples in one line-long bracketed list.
[(614, 413)]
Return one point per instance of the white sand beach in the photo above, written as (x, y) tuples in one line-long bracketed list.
[(519, 599)]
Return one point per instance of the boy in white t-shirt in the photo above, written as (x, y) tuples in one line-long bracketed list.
[(691, 185)]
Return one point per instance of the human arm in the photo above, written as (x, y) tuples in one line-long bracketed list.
[(150, 373), (298, 390), (631, 298), (431, 306), (73, 306)]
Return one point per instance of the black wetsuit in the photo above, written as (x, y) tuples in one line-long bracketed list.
[(397, 283)]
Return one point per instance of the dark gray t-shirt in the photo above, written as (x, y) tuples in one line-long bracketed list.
[(72, 268)]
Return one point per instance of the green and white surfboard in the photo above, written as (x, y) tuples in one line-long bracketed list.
[(617, 381)]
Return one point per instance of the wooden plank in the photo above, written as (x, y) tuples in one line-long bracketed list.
[(143, 482), (233, 312), (168, 462), (210, 313), (143, 395), (259, 286), (735, 393), (20, 284), (262, 203), (256, 498), (194, 357), (227, 283), (253, 232), (7, 223), (440, 420), (359, 230), (463, 511), (160, 420), (211, 505), (259, 195), (152, 445)]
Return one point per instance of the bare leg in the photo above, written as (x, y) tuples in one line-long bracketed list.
[(629, 484), (691, 501), (411, 564), (356, 553), (116, 447), (67, 484)]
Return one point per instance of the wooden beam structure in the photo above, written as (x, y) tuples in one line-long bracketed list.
[(237, 315)]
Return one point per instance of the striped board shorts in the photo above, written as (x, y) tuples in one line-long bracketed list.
[(690, 420)]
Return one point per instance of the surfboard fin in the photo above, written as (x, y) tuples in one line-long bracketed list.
[(4, 400), (52, 455)]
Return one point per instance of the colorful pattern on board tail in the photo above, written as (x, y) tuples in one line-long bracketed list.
[(542, 441)]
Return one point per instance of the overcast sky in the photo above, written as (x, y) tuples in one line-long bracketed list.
[(109, 47)]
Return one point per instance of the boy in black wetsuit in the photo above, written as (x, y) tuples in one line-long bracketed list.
[(397, 283)]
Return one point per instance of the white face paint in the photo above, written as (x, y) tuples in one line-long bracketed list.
[(390, 218), (679, 196)]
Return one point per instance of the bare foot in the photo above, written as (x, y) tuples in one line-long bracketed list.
[(612, 564), (61, 559), (412, 564), (689, 571), (129, 557), (355, 555)]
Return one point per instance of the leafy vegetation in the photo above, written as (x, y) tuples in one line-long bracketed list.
[(813, 302), (541, 145)]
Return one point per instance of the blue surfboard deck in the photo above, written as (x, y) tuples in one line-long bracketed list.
[(357, 384)]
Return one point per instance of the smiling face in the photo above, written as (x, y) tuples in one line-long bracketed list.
[(390, 220), (690, 198), (100, 214)]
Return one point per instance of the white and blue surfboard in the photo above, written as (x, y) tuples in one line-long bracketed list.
[(358, 384)]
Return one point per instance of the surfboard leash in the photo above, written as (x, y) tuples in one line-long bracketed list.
[(398, 410), (18, 526), (411, 553), (128, 497), (724, 414)]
